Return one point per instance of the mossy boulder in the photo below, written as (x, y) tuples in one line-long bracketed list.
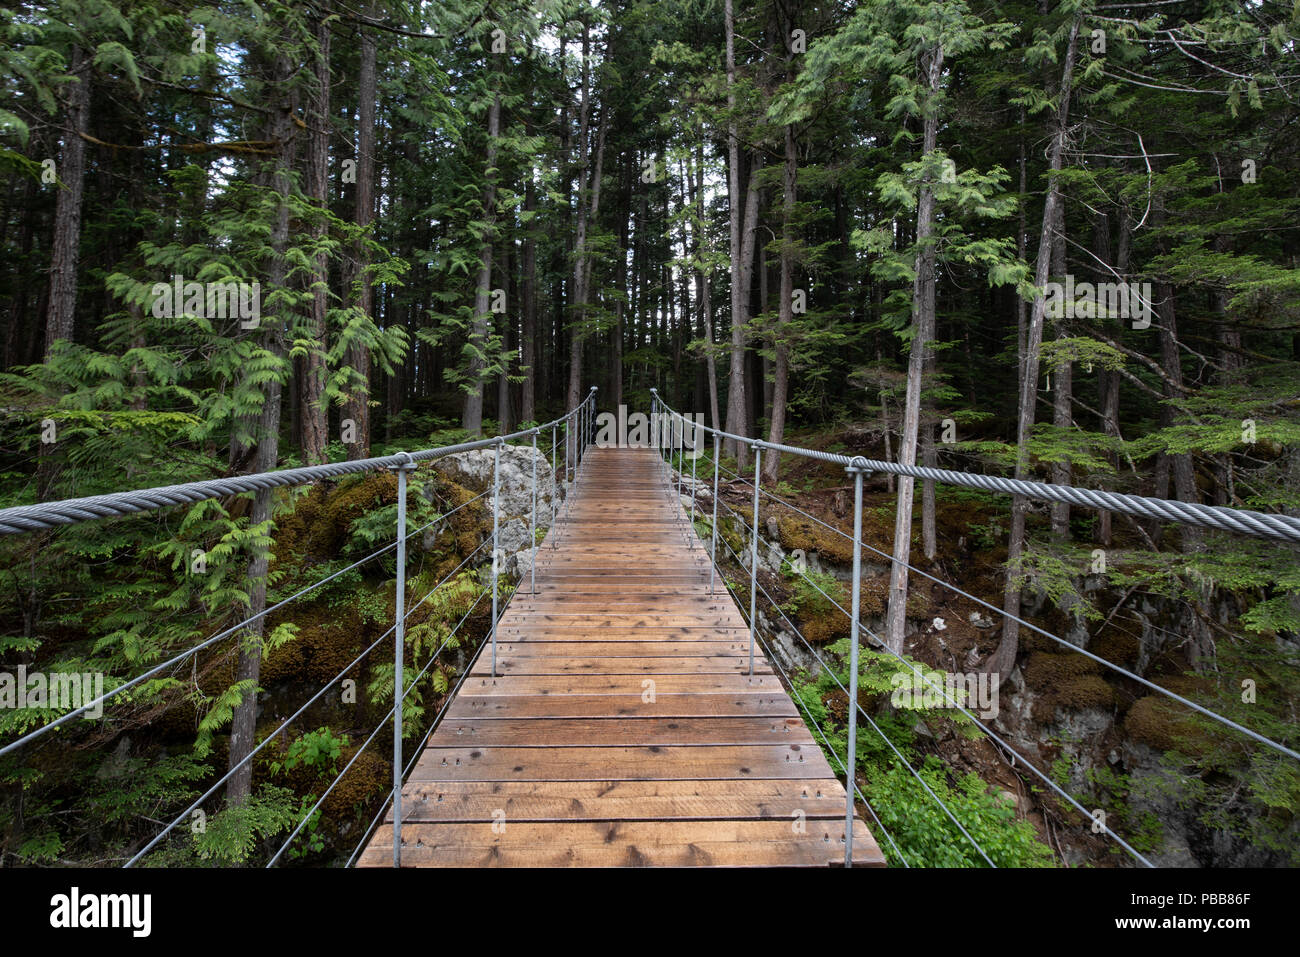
[(1067, 682)]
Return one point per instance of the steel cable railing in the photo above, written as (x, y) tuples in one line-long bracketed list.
[(861, 710), (53, 514), (1244, 521), (959, 706), (206, 643), (451, 696), (379, 727), (401, 616), (1120, 669), (857, 469)]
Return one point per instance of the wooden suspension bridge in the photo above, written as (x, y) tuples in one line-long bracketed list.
[(622, 725)]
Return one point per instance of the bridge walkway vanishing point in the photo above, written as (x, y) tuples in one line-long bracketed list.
[(623, 726)]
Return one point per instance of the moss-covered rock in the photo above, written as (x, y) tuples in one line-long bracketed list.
[(1066, 681)]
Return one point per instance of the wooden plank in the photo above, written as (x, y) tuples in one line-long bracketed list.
[(532, 648), (510, 665), (645, 731), (621, 801), (620, 684), (622, 706), (625, 844), (703, 762)]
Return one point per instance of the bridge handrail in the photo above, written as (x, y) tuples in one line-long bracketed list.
[(858, 467), (28, 518), (1226, 518), (25, 518)]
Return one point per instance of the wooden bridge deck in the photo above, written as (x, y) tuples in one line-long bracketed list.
[(623, 727)]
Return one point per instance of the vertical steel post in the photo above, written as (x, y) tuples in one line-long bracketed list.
[(713, 554), (753, 558), (399, 646), (555, 488), (496, 528), (678, 435), (532, 571), (654, 418), (850, 766), (695, 454), (570, 455)]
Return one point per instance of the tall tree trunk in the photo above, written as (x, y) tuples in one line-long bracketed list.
[(505, 414), (1004, 659), (314, 415), (696, 178), (923, 307), (739, 290), (785, 307), (472, 417), (357, 406), (528, 306), (1062, 388), (62, 308), (586, 214), (1184, 475), (248, 666)]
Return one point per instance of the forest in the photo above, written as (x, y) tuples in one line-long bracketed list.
[(1055, 240)]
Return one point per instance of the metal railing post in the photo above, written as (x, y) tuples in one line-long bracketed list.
[(713, 553), (654, 418), (695, 454), (496, 529), (676, 440), (850, 765), (753, 557), (532, 570), (399, 646), (555, 487)]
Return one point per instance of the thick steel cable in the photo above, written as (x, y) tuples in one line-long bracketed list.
[(924, 784), (1227, 722), (382, 724), (189, 651), (1243, 521), (27, 518)]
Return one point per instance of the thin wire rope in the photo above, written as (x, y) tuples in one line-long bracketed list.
[(838, 760), (185, 654), (858, 707), (289, 720), (1010, 750), (382, 724), (450, 698), (851, 779), (415, 757), (446, 515), (1228, 722), (347, 468)]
